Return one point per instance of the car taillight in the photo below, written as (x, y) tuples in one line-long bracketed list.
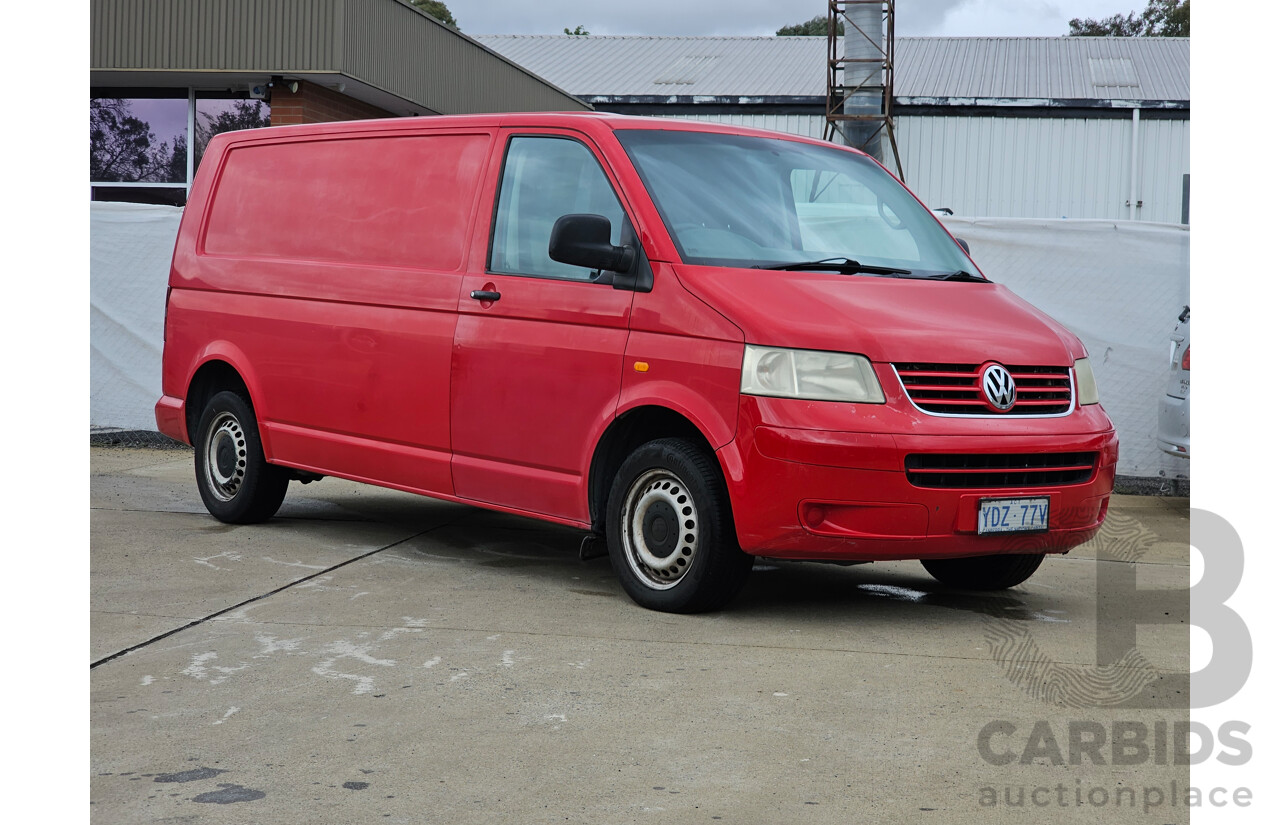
[(1186, 359)]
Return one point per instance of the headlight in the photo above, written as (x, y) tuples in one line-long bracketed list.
[(1086, 387), (799, 373)]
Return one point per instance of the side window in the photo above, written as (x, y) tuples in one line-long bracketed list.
[(544, 178)]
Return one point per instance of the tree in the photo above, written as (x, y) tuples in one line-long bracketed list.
[(243, 114), (1161, 18), (578, 30), (437, 9), (121, 146), (175, 168), (817, 27)]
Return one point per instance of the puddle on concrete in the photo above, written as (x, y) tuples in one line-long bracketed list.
[(228, 794), (192, 775), (1003, 606)]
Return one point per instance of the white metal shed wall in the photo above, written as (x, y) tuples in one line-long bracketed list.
[(1045, 167), (1025, 167), (1164, 156)]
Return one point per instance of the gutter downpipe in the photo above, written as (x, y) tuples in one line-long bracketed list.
[(1133, 168)]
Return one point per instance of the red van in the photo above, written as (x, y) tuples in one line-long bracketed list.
[(703, 343)]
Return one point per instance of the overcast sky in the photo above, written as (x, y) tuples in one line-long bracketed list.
[(1047, 18)]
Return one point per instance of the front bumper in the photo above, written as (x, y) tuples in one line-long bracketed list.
[(806, 493)]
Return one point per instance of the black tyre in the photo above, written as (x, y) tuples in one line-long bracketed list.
[(237, 484), (984, 572), (670, 531)]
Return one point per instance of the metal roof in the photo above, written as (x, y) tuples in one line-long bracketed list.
[(383, 52), (684, 66), (991, 70), (1049, 68)]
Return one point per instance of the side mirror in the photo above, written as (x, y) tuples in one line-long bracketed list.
[(964, 245), (583, 240)]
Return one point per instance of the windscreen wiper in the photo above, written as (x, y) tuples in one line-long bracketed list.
[(958, 275), (846, 266)]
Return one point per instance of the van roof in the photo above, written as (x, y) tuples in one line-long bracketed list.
[(589, 122)]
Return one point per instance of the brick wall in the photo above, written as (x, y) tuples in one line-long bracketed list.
[(316, 104)]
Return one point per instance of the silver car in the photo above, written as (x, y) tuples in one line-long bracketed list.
[(1173, 428)]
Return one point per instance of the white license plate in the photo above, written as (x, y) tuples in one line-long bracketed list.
[(1013, 515)]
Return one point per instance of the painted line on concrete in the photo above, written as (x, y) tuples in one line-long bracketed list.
[(279, 589)]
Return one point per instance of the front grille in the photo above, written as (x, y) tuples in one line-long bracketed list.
[(967, 471), (956, 389)]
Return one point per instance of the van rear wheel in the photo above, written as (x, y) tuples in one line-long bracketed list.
[(984, 572), (237, 484), (670, 532)]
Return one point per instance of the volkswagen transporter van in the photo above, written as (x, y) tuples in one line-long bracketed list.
[(702, 343)]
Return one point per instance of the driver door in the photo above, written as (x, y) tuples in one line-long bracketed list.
[(538, 350)]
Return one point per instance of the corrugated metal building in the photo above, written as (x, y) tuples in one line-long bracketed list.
[(1078, 127)]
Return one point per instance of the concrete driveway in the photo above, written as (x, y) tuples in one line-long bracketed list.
[(371, 656)]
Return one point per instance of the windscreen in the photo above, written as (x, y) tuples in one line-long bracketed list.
[(734, 200)]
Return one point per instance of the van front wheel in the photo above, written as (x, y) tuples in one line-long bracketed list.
[(237, 484), (670, 531)]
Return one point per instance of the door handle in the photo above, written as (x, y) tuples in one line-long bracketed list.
[(485, 295)]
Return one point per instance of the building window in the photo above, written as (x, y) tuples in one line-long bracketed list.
[(223, 113), (139, 139)]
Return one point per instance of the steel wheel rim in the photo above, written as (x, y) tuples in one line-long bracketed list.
[(225, 456), (659, 552)]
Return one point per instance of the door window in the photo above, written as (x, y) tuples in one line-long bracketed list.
[(543, 179)]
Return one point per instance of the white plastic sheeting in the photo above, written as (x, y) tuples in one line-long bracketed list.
[(1118, 285), (130, 247)]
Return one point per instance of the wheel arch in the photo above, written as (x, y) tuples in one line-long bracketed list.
[(220, 370), (628, 431)]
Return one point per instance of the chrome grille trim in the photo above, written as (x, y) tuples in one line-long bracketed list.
[(971, 373)]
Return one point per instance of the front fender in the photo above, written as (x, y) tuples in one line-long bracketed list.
[(696, 377), (715, 426)]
